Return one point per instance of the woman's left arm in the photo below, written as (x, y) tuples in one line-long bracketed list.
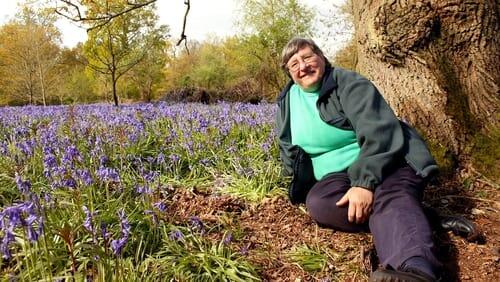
[(378, 132)]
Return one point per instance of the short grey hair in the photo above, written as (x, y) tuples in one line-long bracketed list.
[(294, 45)]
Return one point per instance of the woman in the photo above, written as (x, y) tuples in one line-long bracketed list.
[(356, 166)]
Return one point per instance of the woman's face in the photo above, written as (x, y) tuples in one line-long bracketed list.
[(306, 69)]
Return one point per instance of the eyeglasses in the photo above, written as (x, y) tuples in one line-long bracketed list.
[(307, 59)]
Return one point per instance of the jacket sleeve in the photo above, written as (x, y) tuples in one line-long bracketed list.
[(284, 140), (378, 132)]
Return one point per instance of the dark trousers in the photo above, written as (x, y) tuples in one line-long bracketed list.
[(399, 227)]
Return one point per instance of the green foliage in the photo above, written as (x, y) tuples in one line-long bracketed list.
[(347, 57), (311, 260), (229, 146), (486, 153), (270, 24), (29, 54), (444, 157), (190, 257), (249, 61), (117, 47)]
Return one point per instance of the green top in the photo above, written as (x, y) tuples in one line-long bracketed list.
[(331, 149)]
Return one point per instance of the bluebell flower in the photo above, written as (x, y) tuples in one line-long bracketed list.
[(244, 250), (228, 238), (70, 155), (118, 244), (69, 182), (143, 189), (6, 240), (196, 224), (103, 160), (150, 176), (3, 148), (174, 158), (160, 158), (161, 206), (85, 177), (26, 147), (88, 220), (107, 174), (104, 231), (23, 186), (176, 235)]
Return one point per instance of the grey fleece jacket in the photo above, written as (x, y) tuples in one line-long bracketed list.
[(349, 101)]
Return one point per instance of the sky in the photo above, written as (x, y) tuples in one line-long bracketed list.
[(205, 18)]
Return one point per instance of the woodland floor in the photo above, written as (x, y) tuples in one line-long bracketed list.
[(269, 230)]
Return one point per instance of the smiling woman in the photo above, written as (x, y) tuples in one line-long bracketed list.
[(368, 169)]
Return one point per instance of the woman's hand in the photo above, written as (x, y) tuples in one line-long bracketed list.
[(360, 204)]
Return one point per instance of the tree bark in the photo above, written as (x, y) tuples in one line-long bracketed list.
[(437, 63)]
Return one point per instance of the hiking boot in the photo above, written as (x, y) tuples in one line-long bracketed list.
[(409, 275), (454, 223), (459, 226)]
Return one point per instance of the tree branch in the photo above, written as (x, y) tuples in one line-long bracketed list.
[(183, 35), (100, 20)]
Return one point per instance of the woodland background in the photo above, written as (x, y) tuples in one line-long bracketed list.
[(436, 62), (129, 179)]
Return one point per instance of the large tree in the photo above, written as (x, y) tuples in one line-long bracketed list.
[(29, 50), (269, 25), (116, 47), (437, 64)]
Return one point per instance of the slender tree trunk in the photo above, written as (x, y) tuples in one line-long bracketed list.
[(42, 83), (113, 82), (436, 62)]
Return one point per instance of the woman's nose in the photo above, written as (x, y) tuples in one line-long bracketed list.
[(302, 65)]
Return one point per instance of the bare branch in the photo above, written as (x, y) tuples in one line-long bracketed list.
[(98, 21), (183, 35)]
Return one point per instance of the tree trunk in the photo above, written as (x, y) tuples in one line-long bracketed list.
[(113, 82), (436, 63)]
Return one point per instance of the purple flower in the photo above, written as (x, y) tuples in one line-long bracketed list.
[(3, 148), (70, 155), (69, 182), (27, 147), (88, 220), (23, 186), (176, 235), (174, 158), (22, 215), (143, 189), (84, 176), (14, 215), (103, 160), (160, 158), (108, 174), (118, 244), (205, 162), (7, 239), (161, 206), (150, 176), (228, 238), (196, 224), (104, 231), (244, 250), (49, 163)]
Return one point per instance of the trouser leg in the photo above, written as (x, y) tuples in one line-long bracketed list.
[(398, 224), (399, 227), (321, 201)]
